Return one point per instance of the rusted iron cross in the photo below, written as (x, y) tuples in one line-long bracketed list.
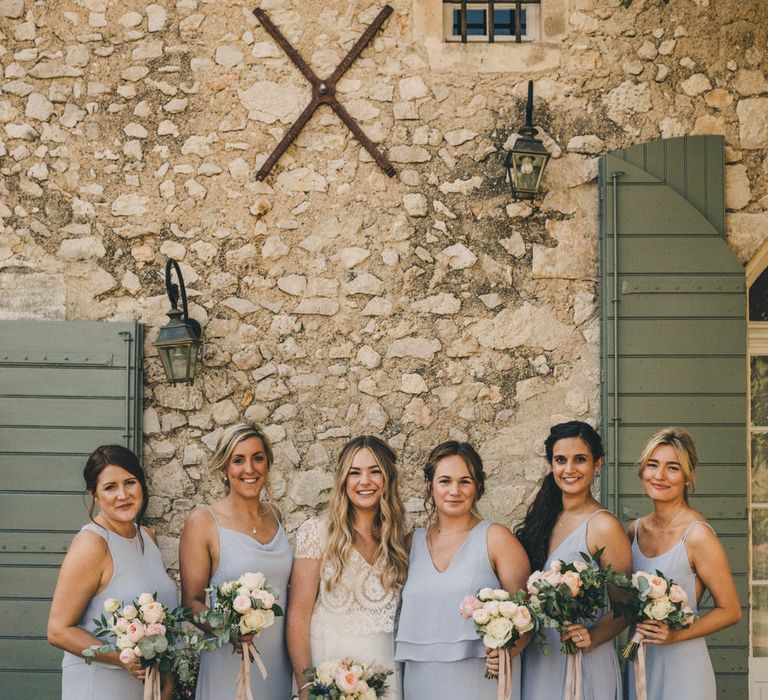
[(324, 92)]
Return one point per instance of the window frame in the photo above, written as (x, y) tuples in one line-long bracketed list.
[(532, 7)]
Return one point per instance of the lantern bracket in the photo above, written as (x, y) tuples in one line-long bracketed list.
[(173, 291)]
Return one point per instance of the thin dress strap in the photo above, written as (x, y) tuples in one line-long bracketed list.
[(592, 515), (634, 534), (693, 525), (213, 515), (274, 512)]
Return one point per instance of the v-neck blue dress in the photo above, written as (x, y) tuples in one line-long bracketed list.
[(443, 655), (238, 554), (683, 669), (544, 676)]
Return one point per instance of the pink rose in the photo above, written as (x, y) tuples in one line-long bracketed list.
[(155, 628), (129, 612), (573, 581), (468, 605), (556, 565), (658, 587), (522, 620), (121, 624), (552, 577), (346, 681), (265, 598), (533, 579), (677, 594), (127, 655), (135, 631)]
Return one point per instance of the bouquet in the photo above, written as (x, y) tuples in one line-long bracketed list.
[(245, 606), (567, 592), (653, 598), (147, 630), (500, 620), (346, 679)]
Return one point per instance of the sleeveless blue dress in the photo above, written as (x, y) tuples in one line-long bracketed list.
[(134, 572), (683, 669), (238, 554), (544, 676), (443, 655)]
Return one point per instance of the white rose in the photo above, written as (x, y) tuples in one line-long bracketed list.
[(507, 608), (152, 612), (252, 580), (129, 612), (325, 672), (497, 632), (121, 624), (556, 565), (265, 597), (580, 566), (146, 599), (481, 616), (500, 594), (256, 620), (485, 594), (522, 620), (492, 607), (243, 590), (111, 605), (659, 609), (123, 642), (242, 603), (227, 587)]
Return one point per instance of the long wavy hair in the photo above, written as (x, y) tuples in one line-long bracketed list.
[(535, 530), (118, 456), (389, 522)]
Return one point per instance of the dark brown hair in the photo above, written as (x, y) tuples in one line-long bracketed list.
[(117, 456)]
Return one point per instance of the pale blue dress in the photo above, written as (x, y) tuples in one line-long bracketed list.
[(443, 655), (134, 572), (683, 669), (544, 676), (240, 553)]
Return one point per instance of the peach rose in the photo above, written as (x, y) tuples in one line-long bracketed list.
[(573, 581), (152, 612), (658, 587), (522, 619), (135, 631), (677, 594)]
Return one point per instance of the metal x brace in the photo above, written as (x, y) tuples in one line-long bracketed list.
[(323, 92)]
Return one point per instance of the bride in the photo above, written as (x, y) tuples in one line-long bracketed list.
[(349, 567)]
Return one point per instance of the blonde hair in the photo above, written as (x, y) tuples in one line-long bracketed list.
[(389, 521), (229, 440), (682, 442)]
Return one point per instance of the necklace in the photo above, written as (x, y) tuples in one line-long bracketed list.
[(671, 520), (436, 528), (249, 524)]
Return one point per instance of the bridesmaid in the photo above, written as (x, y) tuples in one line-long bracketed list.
[(237, 534), (564, 520), (678, 541), (350, 566), (113, 556), (457, 554)]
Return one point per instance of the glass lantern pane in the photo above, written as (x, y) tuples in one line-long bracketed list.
[(758, 379), (760, 621), (527, 171), (759, 543), (180, 357), (758, 298), (759, 463)]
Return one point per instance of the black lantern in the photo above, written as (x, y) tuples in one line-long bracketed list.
[(179, 341), (526, 161)]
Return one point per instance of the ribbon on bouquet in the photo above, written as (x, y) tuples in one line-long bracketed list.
[(641, 680), (573, 677), (504, 686), (152, 683), (243, 682)]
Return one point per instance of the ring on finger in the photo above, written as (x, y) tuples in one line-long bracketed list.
[(579, 637)]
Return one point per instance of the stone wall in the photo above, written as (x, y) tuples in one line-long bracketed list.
[(335, 300)]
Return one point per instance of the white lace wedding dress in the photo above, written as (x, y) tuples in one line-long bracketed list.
[(356, 618)]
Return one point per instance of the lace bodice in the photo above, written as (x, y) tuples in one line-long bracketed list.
[(358, 604)]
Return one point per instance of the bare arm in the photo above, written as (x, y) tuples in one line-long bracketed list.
[(305, 583), (195, 562), (85, 571), (605, 531), (709, 560)]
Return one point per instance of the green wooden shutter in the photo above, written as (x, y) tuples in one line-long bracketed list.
[(674, 344), (65, 388)]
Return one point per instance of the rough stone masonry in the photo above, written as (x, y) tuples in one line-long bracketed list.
[(335, 300)]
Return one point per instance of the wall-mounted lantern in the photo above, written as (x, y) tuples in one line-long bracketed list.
[(178, 342), (526, 161)]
